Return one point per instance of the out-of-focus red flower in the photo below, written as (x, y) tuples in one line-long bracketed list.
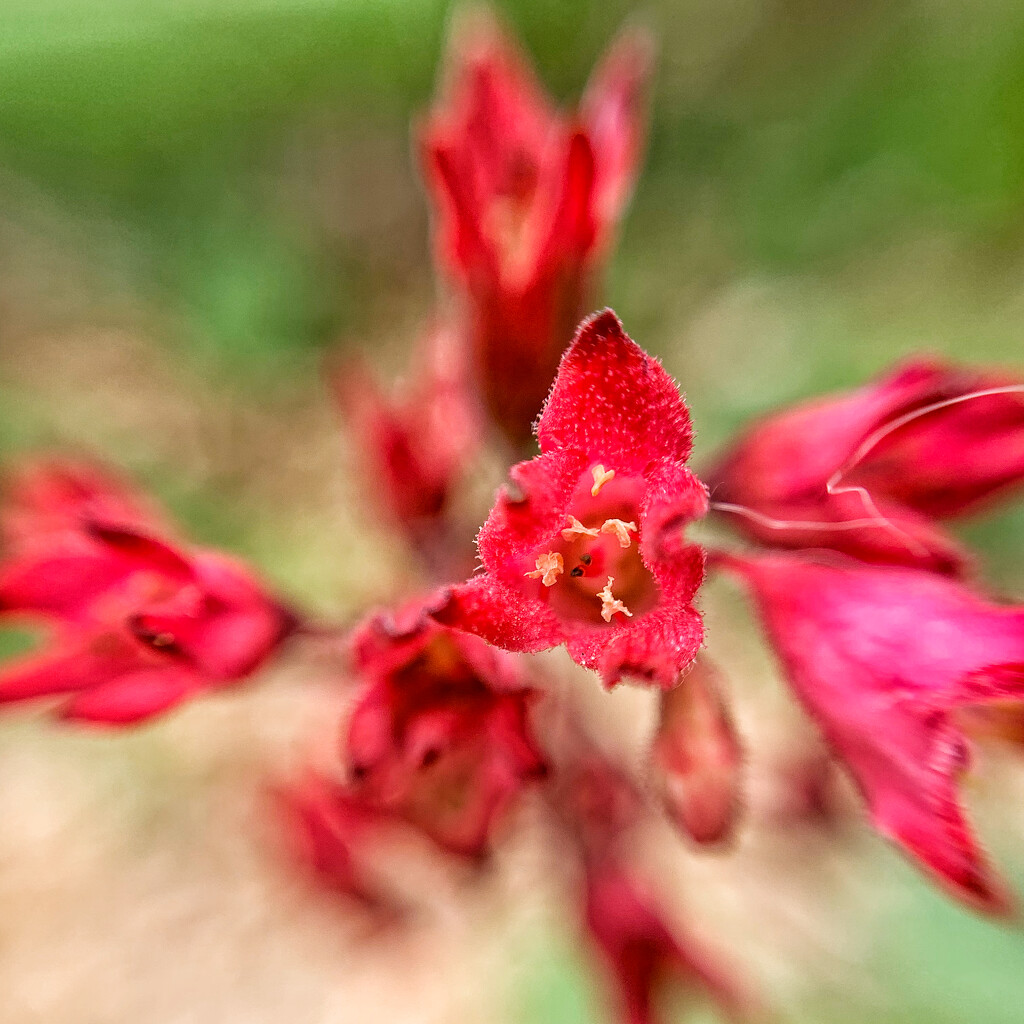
[(440, 734), (336, 834), (697, 756), (914, 465), (586, 546), (642, 953), (884, 658), (47, 502), (414, 446), (526, 199), (140, 625)]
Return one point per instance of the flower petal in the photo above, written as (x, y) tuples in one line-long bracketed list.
[(133, 697), (614, 111), (614, 402), (530, 511), (498, 614), (882, 658), (657, 647)]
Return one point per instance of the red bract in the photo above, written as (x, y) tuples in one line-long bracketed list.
[(139, 625), (440, 734), (884, 658), (878, 458), (642, 953), (586, 548), (697, 756), (526, 200), (414, 446)]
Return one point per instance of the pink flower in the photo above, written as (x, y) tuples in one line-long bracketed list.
[(414, 446), (440, 734), (885, 659), (585, 547), (697, 756), (875, 457), (640, 950), (139, 625), (526, 199)]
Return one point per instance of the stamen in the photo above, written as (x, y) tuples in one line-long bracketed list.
[(577, 529), (601, 477), (549, 566), (610, 605), (586, 559), (620, 529), (576, 572)]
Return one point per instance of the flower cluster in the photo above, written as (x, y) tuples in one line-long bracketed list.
[(885, 636)]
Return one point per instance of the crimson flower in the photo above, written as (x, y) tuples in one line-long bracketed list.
[(526, 199), (585, 547), (414, 445), (867, 472), (440, 734), (640, 949), (139, 624), (886, 659)]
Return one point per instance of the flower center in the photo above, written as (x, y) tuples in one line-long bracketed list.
[(591, 570)]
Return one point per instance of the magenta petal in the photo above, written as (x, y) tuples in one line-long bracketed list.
[(608, 397), (881, 658), (132, 697), (501, 616)]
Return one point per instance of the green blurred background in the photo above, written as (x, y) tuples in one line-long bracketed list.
[(206, 196)]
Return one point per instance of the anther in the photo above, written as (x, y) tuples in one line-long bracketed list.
[(620, 529), (609, 604), (576, 572), (577, 529), (549, 566), (586, 559), (601, 477)]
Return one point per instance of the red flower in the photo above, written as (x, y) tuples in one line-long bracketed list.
[(641, 952), (585, 548), (140, 625), (335, 834), (440, 734), (884, 658), (697, 756), (879, 458), (526, 199), (414, 446)]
